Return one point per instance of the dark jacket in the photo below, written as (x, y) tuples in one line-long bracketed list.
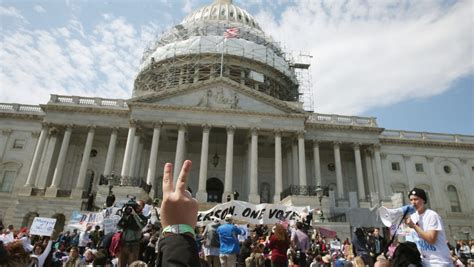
[(177, 251)]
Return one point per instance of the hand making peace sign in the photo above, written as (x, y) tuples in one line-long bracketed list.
[(178, 206)]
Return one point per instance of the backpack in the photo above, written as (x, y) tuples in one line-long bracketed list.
[(114, 247)]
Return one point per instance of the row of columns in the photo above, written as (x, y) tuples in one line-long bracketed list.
[(132, 147)]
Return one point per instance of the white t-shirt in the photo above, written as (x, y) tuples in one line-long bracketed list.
[(438, 253)]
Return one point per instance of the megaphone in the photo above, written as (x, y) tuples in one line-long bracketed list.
[(394, 216)]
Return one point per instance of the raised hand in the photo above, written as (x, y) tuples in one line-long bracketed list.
[(178, 206)]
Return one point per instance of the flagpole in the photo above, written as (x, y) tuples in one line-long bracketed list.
[(222, 55)]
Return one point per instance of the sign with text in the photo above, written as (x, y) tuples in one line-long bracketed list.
[(250, 213), (42, 226)]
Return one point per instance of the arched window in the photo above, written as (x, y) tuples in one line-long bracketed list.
[(454, 199), (8, 173)]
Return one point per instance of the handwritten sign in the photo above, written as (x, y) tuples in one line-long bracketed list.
[(42, 226)]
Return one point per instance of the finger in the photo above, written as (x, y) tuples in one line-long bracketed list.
[(168, 178), (187, 194), (183, 176)]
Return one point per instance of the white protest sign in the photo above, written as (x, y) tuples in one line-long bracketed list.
[(250, 213), (42, 226), (245, 232), (7, 238)]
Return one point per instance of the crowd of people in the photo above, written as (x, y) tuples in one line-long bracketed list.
[(176, 240)]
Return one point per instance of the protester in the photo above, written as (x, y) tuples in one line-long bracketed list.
[(428, 231), (178, 216), (74, 259), (300, 244), (211, 243), (279, 244), (229, 244), (131, 223), (41, 252)]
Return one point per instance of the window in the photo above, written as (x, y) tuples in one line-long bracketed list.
[(395, 166), (454, 199), (331, 167), (419, 167), (19, 143), (447, 169), (6, 183)]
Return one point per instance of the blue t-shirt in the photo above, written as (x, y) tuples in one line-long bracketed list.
[(229, 244)]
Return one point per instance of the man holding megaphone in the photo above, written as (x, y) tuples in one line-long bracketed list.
[(429, 232)]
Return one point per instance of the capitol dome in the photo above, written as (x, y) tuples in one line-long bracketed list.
[(193, 51)]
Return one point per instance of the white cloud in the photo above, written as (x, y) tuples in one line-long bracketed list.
[(39, 9), (69, 61), (11, 12), (376, 53)]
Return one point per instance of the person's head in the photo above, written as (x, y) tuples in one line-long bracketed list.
[(299, 225), (100, 258), (89, 255), (376, 232), (382, 263), (141, 205), (280, 232), (38, 249), (359, 262), (418, 199), (229, 218), (74, 252), (138, 264)]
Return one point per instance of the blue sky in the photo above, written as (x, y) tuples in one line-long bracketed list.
[(408, 63)]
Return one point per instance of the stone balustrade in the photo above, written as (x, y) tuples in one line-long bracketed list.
[(424, 136), (342, 120), (21, 108), (88, 101)]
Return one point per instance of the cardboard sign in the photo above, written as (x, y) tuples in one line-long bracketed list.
[(42, 226)]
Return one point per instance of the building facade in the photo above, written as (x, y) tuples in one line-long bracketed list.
[(231, 105)]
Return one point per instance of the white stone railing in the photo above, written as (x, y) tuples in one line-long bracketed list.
[(424, 136), (343, 120), (21, 108), (88, 101)]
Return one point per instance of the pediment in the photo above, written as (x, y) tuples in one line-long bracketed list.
[(219, 94)]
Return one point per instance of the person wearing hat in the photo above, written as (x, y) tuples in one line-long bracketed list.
[(211, 245), (428, 233), (229, 244)]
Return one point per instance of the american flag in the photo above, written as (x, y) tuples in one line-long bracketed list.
[(231, 33)]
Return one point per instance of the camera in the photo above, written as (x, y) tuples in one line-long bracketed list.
[(129, 206)]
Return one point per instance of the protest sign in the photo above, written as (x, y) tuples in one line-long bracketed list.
[(7, 238), (250, 213), (42, 226)]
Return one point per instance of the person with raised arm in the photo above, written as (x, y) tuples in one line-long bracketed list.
[(178, 216)]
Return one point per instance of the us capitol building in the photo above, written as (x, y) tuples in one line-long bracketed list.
[(233, 107)]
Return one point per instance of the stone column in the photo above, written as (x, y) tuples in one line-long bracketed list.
[(408, 171), (295, 165), (253, 195), (229, 163), (360, 177), (4, 141), (201, 194), (30, 181), (378, 163), (317, 162), (278, 168), (155, 141), (337, 161), (370, 174), (77, 192), (128, 149), (437, 188), (133, 158), (47, 160), (302, 159), (109, 160), (58, 172), (179, 159), (468, 182)]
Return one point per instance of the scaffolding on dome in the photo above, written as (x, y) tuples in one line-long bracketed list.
[(301, 63), (191, 53)]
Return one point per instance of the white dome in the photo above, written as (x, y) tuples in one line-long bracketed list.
[(222, 11)]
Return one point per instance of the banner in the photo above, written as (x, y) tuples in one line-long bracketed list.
[(80, 220), (327, 232), (42, 226), (250, 213)]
